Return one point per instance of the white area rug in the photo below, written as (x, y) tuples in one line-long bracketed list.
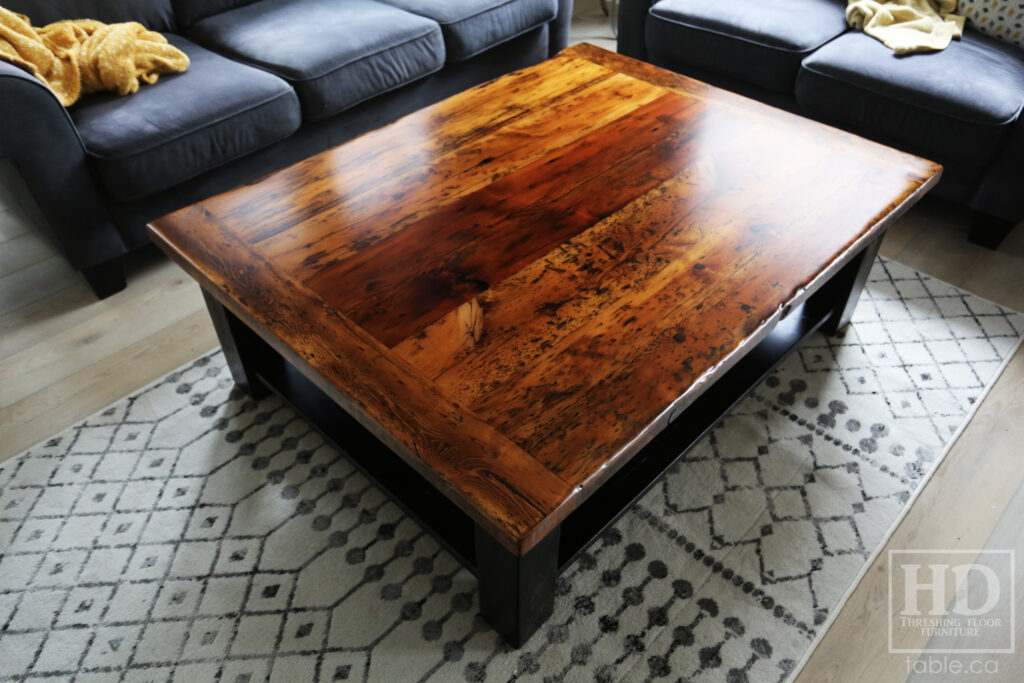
[(188, 533)]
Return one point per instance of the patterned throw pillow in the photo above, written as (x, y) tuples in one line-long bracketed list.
[(1003, 19)]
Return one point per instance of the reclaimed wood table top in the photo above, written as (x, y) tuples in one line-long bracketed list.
[(518, 287)]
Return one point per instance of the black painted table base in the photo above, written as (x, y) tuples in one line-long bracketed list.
[(517, 592)]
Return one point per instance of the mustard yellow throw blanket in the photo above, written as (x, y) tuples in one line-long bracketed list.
[(907, 26), (81, 56)]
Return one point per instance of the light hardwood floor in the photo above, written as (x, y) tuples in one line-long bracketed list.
[(64, 355)]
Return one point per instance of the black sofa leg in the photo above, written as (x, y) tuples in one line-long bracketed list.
[(988, 230), (106, 278)]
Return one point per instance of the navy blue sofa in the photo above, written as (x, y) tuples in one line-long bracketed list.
[(270, 82), (960, 107)]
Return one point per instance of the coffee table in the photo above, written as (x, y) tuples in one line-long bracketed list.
[(515, 309)]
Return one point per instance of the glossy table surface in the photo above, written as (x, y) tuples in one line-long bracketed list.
[(518, 287)]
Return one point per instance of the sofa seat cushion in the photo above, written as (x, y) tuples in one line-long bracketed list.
[(472, 26), (184, 124), (335, 54), (953, 105), (756, 42)]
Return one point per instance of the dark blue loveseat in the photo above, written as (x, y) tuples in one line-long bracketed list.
[(960, 107)]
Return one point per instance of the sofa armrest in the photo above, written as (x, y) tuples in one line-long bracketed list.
[(632, 23), (40, 138), (1000, 192), (558, 29)]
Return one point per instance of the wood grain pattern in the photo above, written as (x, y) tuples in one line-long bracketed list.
[(507, 491), (403, 283), (516, 288)]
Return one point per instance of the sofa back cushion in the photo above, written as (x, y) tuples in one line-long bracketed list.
[(191, 11), (153, 14), (472, 26)]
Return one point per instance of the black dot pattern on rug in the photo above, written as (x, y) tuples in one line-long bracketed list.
[(189, 531)]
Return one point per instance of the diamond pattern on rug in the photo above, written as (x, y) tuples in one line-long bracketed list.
[(188, 532)]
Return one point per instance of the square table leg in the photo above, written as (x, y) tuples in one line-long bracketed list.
[(236, 343), (846, 286), (517, 593)]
